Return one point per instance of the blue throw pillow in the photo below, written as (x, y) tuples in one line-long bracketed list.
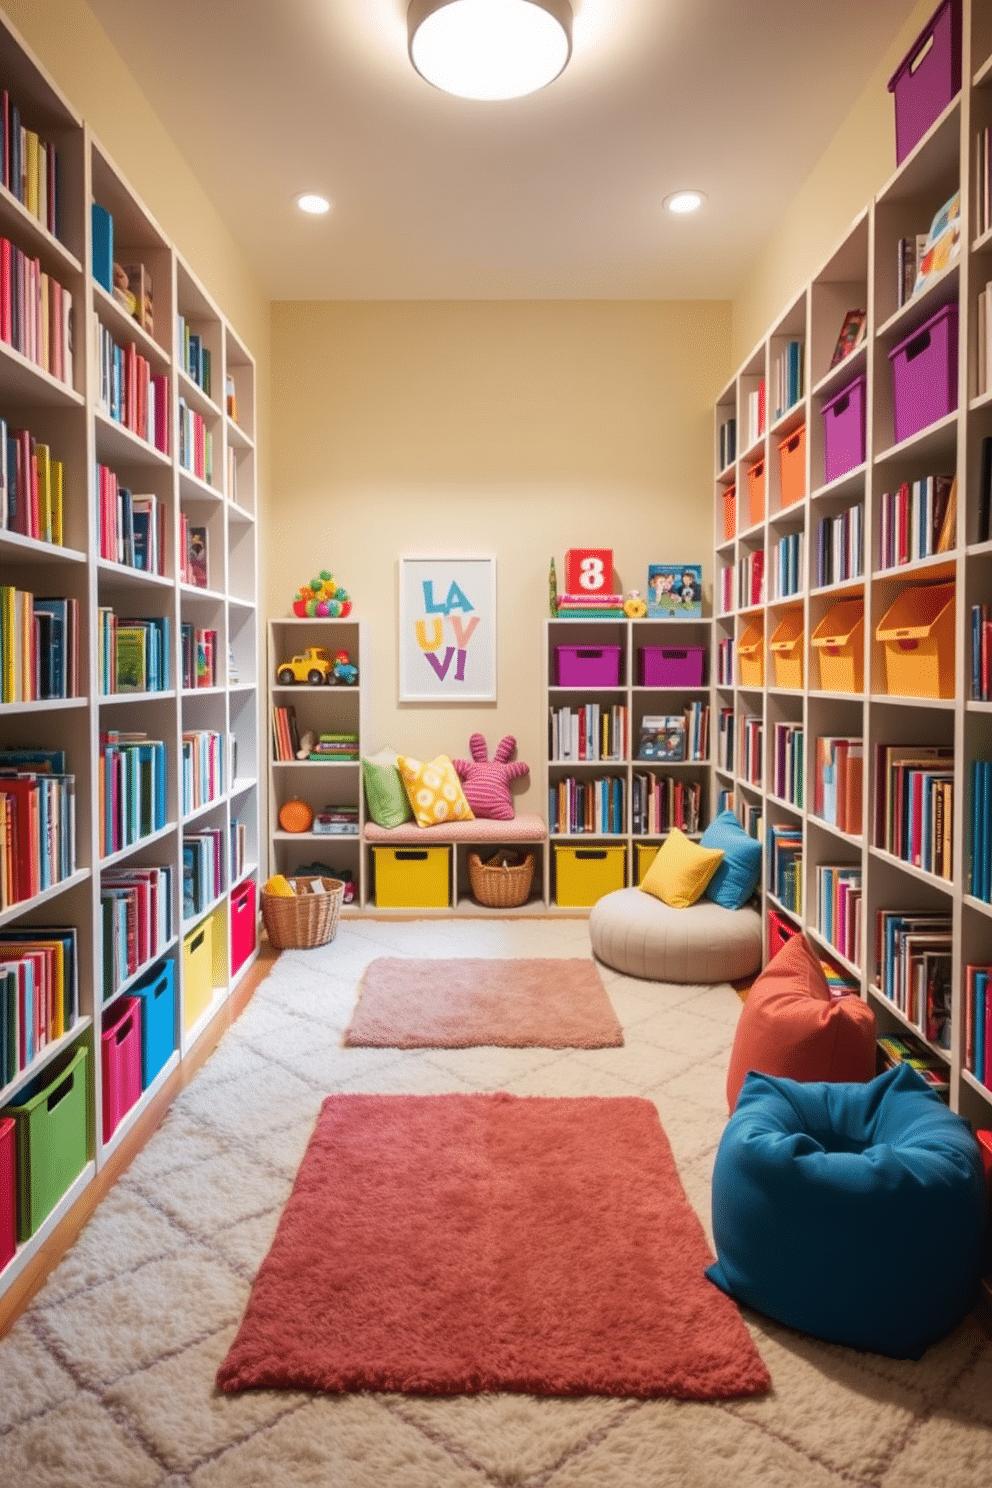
[(737, 877)]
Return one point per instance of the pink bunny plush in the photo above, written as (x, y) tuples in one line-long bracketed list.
[(487, 782)]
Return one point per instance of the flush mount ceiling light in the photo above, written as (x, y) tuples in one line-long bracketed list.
[(312, 204), (684, 202), (489, 49)]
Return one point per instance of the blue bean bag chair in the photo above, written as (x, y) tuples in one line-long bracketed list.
[(854, 1212)]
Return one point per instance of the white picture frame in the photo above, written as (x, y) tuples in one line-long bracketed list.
[(447, 629)]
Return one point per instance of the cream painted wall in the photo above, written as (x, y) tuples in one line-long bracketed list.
[(856, 165), (520, 429)]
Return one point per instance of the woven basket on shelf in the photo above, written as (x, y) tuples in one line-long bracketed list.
[(306, 919), (503, 881)]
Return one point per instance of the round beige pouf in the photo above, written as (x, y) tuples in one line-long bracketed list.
[(638, 934)]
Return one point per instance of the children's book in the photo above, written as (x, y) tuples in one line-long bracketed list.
[(675, 590), (852, 333), (662, 737), (196, 558)]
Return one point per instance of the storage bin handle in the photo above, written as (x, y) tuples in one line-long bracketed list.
[(411, 854), (917, 345), (590, 654), (61, 1091), (906, 644), (793, 443), (590, 852), (124, 1028), (757, 470), (841, 404), (196, 941), (919, 56)]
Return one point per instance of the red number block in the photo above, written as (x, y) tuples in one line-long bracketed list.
[(589, 570)]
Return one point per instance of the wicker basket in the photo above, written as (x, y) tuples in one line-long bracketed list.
[(503, 881), (306, 919)]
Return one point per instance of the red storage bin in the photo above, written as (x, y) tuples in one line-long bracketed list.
[(8, 1189), (925, 374), (244, 924), (928, 77), (844, 430), (120, 1044)]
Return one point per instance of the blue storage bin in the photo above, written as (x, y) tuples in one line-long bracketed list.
[(157, 990)]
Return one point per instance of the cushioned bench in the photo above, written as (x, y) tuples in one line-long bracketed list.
[(521, 829)]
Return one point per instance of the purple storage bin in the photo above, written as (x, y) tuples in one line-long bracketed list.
[(925, 374), (666, 666), (928, 77), (844, 430), (588, 666)]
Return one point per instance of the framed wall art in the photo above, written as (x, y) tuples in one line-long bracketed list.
[(447, 630)]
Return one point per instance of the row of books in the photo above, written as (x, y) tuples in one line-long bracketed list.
[(788, 377), (913, 951), (592, 606), (914, 804), (840, 545), (785, 865), (35, 313), (239, 849), (594, 731), (37, 823), (30, 167), (787, 565), (923, 256), (32, 483), (232, 474), (133, 800), (725, 662), (838, 908), (751, 579), (757, 413), (285, 734), (132, 527), (39, 992), (676, 736), (787, 763), (337, 819), (202, 768), (199, 649), (838, 776), (598, 806), (340, 747), (980, 875), (981, 206), (728, 442), (203, 869), (196, 444), (135, 919), (905, 1048), (725, 733), (747, 813), (194, 553), (981, 636), (39, 646), (749, 759), (660, 802), (133, 653), (917, 520), (194, 357), (725, 588), (978, 1022), (130, 393)]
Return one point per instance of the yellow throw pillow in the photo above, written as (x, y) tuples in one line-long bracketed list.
[(434, 790), (681, 870)]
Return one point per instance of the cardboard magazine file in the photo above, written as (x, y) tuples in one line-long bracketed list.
[(792, 466), (751, 656), (786, 646), (756, 493), (839, 644), (918, 635)]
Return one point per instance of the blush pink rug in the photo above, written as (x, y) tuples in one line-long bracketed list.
[(406, 1003), (449, 1244)]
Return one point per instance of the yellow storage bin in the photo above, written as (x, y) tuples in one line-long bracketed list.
[(792, 467), (198, 967), (751, 656), (839, 645), (585, 874), (412, 877), (918, 635), (787, 648), (644, 855)]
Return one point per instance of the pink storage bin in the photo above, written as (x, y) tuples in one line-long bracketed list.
[(928, 77), (844, 430), (666, 666), (925, 374), (121, 1052), (588, 666), (8, 1189)]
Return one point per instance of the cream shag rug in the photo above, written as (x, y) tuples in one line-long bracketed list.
[(107, 1381)]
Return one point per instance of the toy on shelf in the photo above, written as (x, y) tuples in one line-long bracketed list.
[(321, 598), (634, 607), (295, 816), (344, 669), (313, 665)]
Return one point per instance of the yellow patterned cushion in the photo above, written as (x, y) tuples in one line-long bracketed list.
[(434, 790), (681, 870)]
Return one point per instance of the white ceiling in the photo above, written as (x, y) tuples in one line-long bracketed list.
[(554, 196)]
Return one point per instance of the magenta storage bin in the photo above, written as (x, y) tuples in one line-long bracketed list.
[(666, 666), (588, 666), (925, 374), (844, 430), (928, 77), (121, 1049), (8, 1188)]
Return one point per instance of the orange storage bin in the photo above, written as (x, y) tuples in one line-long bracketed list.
[(792, 466), (786, 646), (839, 643), (751, 656), (918, 635), (756, 493), (730, 511)]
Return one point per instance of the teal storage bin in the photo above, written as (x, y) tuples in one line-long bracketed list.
[(157, 990)]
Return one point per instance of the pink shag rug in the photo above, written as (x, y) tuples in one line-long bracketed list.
[(458, 1003), (450, 1244)]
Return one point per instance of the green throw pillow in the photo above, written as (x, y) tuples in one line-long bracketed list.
[(385, 794)]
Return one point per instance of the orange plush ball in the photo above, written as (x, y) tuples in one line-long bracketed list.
[(295, 816)]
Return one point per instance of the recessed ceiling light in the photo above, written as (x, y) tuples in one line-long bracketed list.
[(489, 49), (683, 202), (312, 204)]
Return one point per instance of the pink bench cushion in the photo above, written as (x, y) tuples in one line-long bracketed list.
[(520, 829)]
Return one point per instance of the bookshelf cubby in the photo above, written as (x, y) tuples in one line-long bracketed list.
[(910, 689), (118, 491)]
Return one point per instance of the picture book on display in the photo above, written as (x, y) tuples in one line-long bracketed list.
[(663, 737), (943, 242), (675, 590), (852, 333)]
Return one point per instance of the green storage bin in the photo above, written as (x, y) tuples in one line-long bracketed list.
[(51, 1132)]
